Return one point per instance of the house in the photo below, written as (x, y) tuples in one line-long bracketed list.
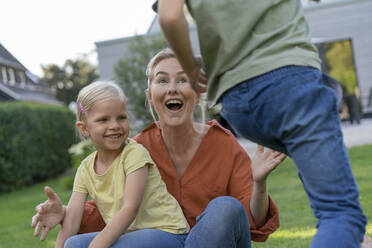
[(332, 22), (18, 84)]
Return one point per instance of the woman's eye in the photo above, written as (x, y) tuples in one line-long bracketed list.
[(102, 120), (183, 80), (162, 81), (122, 117)]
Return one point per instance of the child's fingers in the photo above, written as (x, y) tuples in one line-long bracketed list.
[(50, 193), (37, 229), (44, 234), (35, 220)]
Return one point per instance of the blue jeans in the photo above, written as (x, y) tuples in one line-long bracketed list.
[(145, 238), (291, 110), (223, 224)]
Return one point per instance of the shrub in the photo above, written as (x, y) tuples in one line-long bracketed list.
[(34, 142), (78, 152)]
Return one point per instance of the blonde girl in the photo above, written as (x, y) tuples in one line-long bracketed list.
[(121, 178)]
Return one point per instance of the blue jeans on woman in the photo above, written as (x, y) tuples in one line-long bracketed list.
[(223, 224), (292, 111)]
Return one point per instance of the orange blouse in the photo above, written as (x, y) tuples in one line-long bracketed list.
[(220, 167)]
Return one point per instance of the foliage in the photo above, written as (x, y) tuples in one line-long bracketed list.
[(130, 75), (70, 78), (78, 153), (297, 223), (34, 139)]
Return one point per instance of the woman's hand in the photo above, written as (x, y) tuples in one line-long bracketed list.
[(264, 162), (48, 214), (367, 242)]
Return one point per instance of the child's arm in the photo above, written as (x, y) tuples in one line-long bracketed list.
[(71, 222), (135, 186)]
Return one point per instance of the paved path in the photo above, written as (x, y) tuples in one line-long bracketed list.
[(354, 135)]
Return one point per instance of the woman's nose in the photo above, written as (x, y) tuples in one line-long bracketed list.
[(172, 87)]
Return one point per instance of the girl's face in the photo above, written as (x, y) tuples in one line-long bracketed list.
[(106, 123), (170, 93)]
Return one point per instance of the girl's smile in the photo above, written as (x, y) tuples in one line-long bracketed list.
[(106, 123)]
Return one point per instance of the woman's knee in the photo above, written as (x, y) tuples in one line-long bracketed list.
[(227, 208)]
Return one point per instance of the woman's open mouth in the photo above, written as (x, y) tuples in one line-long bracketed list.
[(174, 104)]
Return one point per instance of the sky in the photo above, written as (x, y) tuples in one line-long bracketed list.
[(50, 31)]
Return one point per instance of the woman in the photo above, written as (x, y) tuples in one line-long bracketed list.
[(222, 194)]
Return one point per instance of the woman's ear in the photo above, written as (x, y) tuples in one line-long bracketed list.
[(80, 125), (148, 95)]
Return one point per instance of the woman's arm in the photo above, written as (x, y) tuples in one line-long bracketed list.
[(135, 186), (263, 163), (71, 222)]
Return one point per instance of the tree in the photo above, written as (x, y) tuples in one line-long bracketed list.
[(130, 75), (70, 78)]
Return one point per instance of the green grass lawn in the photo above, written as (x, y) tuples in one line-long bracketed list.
[(297, 223)]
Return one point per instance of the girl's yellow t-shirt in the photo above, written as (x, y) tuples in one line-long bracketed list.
[(158, 209)]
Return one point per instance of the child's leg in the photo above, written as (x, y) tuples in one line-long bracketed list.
[(291, 110), (146, 238), (150, 238), (80, 240), (223, 224)]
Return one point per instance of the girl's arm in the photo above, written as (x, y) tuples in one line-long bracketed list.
[(135, 186), (263, 163), (71, 222)]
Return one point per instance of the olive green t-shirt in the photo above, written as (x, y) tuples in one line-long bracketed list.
[(242, 39)]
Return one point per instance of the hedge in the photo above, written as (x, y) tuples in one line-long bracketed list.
[(34, 142)]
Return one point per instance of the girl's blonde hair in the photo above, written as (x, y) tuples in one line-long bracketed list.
[(166, 53), (95, 92)]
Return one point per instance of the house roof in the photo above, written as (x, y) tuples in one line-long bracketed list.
[(35, 89), (6, 58)]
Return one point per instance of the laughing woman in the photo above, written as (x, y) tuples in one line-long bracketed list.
[(221, 191)]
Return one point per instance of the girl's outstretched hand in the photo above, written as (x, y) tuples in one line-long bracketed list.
[(48, 214), (264, 162)]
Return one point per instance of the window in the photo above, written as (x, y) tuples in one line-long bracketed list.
[(11, 76), (21, 78), (1, 75), (4, 74), (338, 61)]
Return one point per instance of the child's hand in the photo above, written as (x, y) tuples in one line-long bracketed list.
[(198, 79), (48, 214), (264, 162)]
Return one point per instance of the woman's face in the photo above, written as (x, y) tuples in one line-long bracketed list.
[(170, 93)]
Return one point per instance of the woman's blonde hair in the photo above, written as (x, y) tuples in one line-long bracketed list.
[(166, 53), (95, 92)]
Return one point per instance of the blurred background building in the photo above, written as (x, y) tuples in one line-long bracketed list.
[(342, 31), (19, 84)]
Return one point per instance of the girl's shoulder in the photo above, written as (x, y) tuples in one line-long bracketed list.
[(88, 160)]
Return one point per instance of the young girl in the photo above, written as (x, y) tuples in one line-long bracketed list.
[(120, 176)]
